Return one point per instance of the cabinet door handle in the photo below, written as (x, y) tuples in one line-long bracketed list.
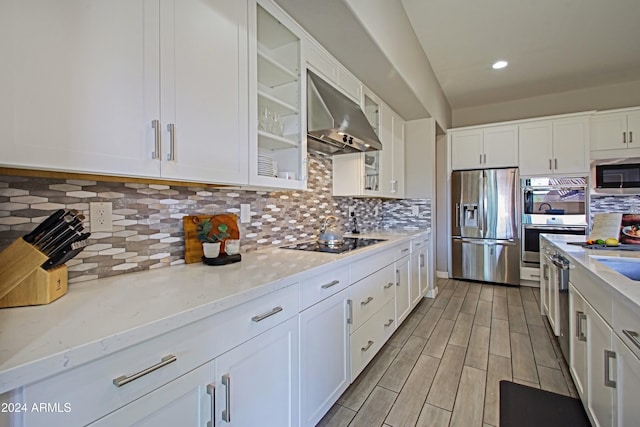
[(624, 137), (369, 344), (480, 158), (261, 317), (211, 391), (388, 285), (484, 159), (226, 412), (386, 325), (172, 141), (349, 312), (633, 336), (545, 271), (555, 164), (367, 301), (608, 355), (550, 165), (421, 260), (124, 379), (630, 137), (397, 277), (155, 124), (330, 284), (580, 316)]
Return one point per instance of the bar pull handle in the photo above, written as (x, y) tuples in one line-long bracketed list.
[(172, 141), (388, 285), (349, 312), (484, 158), (369, 344), (633, 336), (155, 124), (330, 284), (555, 164), (211, 391), (421, 260), (386, 325), (480, 158), (624, 137), (261, 317), (580, 316), (397, 277), (457, 215), (608, 355), (226, 412), (630, 137), (550, 165), (545, 271), (124, 379), (367, 301)]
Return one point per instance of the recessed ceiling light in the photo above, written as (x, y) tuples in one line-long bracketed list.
[(499, 64)]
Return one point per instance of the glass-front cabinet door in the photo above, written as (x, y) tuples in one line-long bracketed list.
[(277, 113), (371, 107)]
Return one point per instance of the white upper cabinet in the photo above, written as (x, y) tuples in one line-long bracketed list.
[(483, 148), (615, 131), (554, 147), (322, 63), (134, 88), (277, 116)]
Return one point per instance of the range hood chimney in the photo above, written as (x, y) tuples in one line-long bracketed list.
[(336, 124)]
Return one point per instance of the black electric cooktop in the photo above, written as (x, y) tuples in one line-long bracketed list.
[(350, 244)]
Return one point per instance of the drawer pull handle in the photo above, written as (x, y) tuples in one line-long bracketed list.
[(633, 336), (261, 317), (211, 391), (349, 312), (369, 344), (124, 379), (330, 284), (367, 301), (608, 382), (386, 325), (388, 285), (580, 316), (226, 412)]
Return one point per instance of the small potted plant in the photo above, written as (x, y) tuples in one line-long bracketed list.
[(211, 238)]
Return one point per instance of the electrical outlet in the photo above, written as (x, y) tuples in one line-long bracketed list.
[(101, 216), (245, 212), (376, 210), (352, 211), (414, 211)]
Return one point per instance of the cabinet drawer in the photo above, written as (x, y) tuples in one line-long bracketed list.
[(317, 288), (90, 390), (371, 293), (368, 340), (598, 296), (364, 267), (402, 251), (417, 244), (626, 324)]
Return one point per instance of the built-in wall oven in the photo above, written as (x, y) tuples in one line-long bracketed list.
[(551, 205)]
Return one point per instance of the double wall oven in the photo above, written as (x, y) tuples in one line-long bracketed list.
[(551, 206)]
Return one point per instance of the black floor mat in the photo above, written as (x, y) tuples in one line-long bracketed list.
[(522, 406)]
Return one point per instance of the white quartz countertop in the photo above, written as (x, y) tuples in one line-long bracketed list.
[(103, 316), (621, 285)]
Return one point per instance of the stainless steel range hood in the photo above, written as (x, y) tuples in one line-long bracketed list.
[(336, 124)]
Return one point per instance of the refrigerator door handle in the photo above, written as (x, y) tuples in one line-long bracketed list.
[(487, 242), (457, 215), (483, 203)]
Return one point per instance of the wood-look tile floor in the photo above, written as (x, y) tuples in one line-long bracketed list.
[(443, 366)]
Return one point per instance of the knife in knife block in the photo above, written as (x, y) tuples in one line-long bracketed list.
[(39, 287), (18, 261)]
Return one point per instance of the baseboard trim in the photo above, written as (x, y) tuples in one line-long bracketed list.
[(432, 293), (442, 274)]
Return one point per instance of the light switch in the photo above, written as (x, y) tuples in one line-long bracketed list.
[(245, 212)]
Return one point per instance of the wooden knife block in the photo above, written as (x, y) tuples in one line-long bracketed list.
[(24, 282)]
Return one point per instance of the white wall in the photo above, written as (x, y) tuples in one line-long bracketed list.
[(599, 98), (441, 227), (419, 159)]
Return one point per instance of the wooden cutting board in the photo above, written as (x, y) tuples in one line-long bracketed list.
[(193, 225)]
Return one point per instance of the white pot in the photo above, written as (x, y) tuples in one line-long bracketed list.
[(211, 250)]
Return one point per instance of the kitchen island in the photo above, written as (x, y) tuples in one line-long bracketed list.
[(604, 356), (124, 317)]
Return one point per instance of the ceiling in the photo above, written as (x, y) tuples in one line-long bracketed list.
[(551, 45)]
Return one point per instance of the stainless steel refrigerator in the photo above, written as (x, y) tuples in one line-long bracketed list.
[(485, 223)]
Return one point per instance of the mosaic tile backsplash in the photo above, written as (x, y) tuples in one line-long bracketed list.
[(621, 204), (147, 219)]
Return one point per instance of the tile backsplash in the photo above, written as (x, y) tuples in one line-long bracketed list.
[(147, 218), (622, 204)]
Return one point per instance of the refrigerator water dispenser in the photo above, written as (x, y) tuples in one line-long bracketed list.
[(470, 215)]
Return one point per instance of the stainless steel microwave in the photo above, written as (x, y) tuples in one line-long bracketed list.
[(618, 175)]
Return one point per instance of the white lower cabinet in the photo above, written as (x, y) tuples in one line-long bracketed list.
[(369, 338), (185, 401), (403, 294), (324, 356), (578, 341), (626, 408), (257, 382)]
